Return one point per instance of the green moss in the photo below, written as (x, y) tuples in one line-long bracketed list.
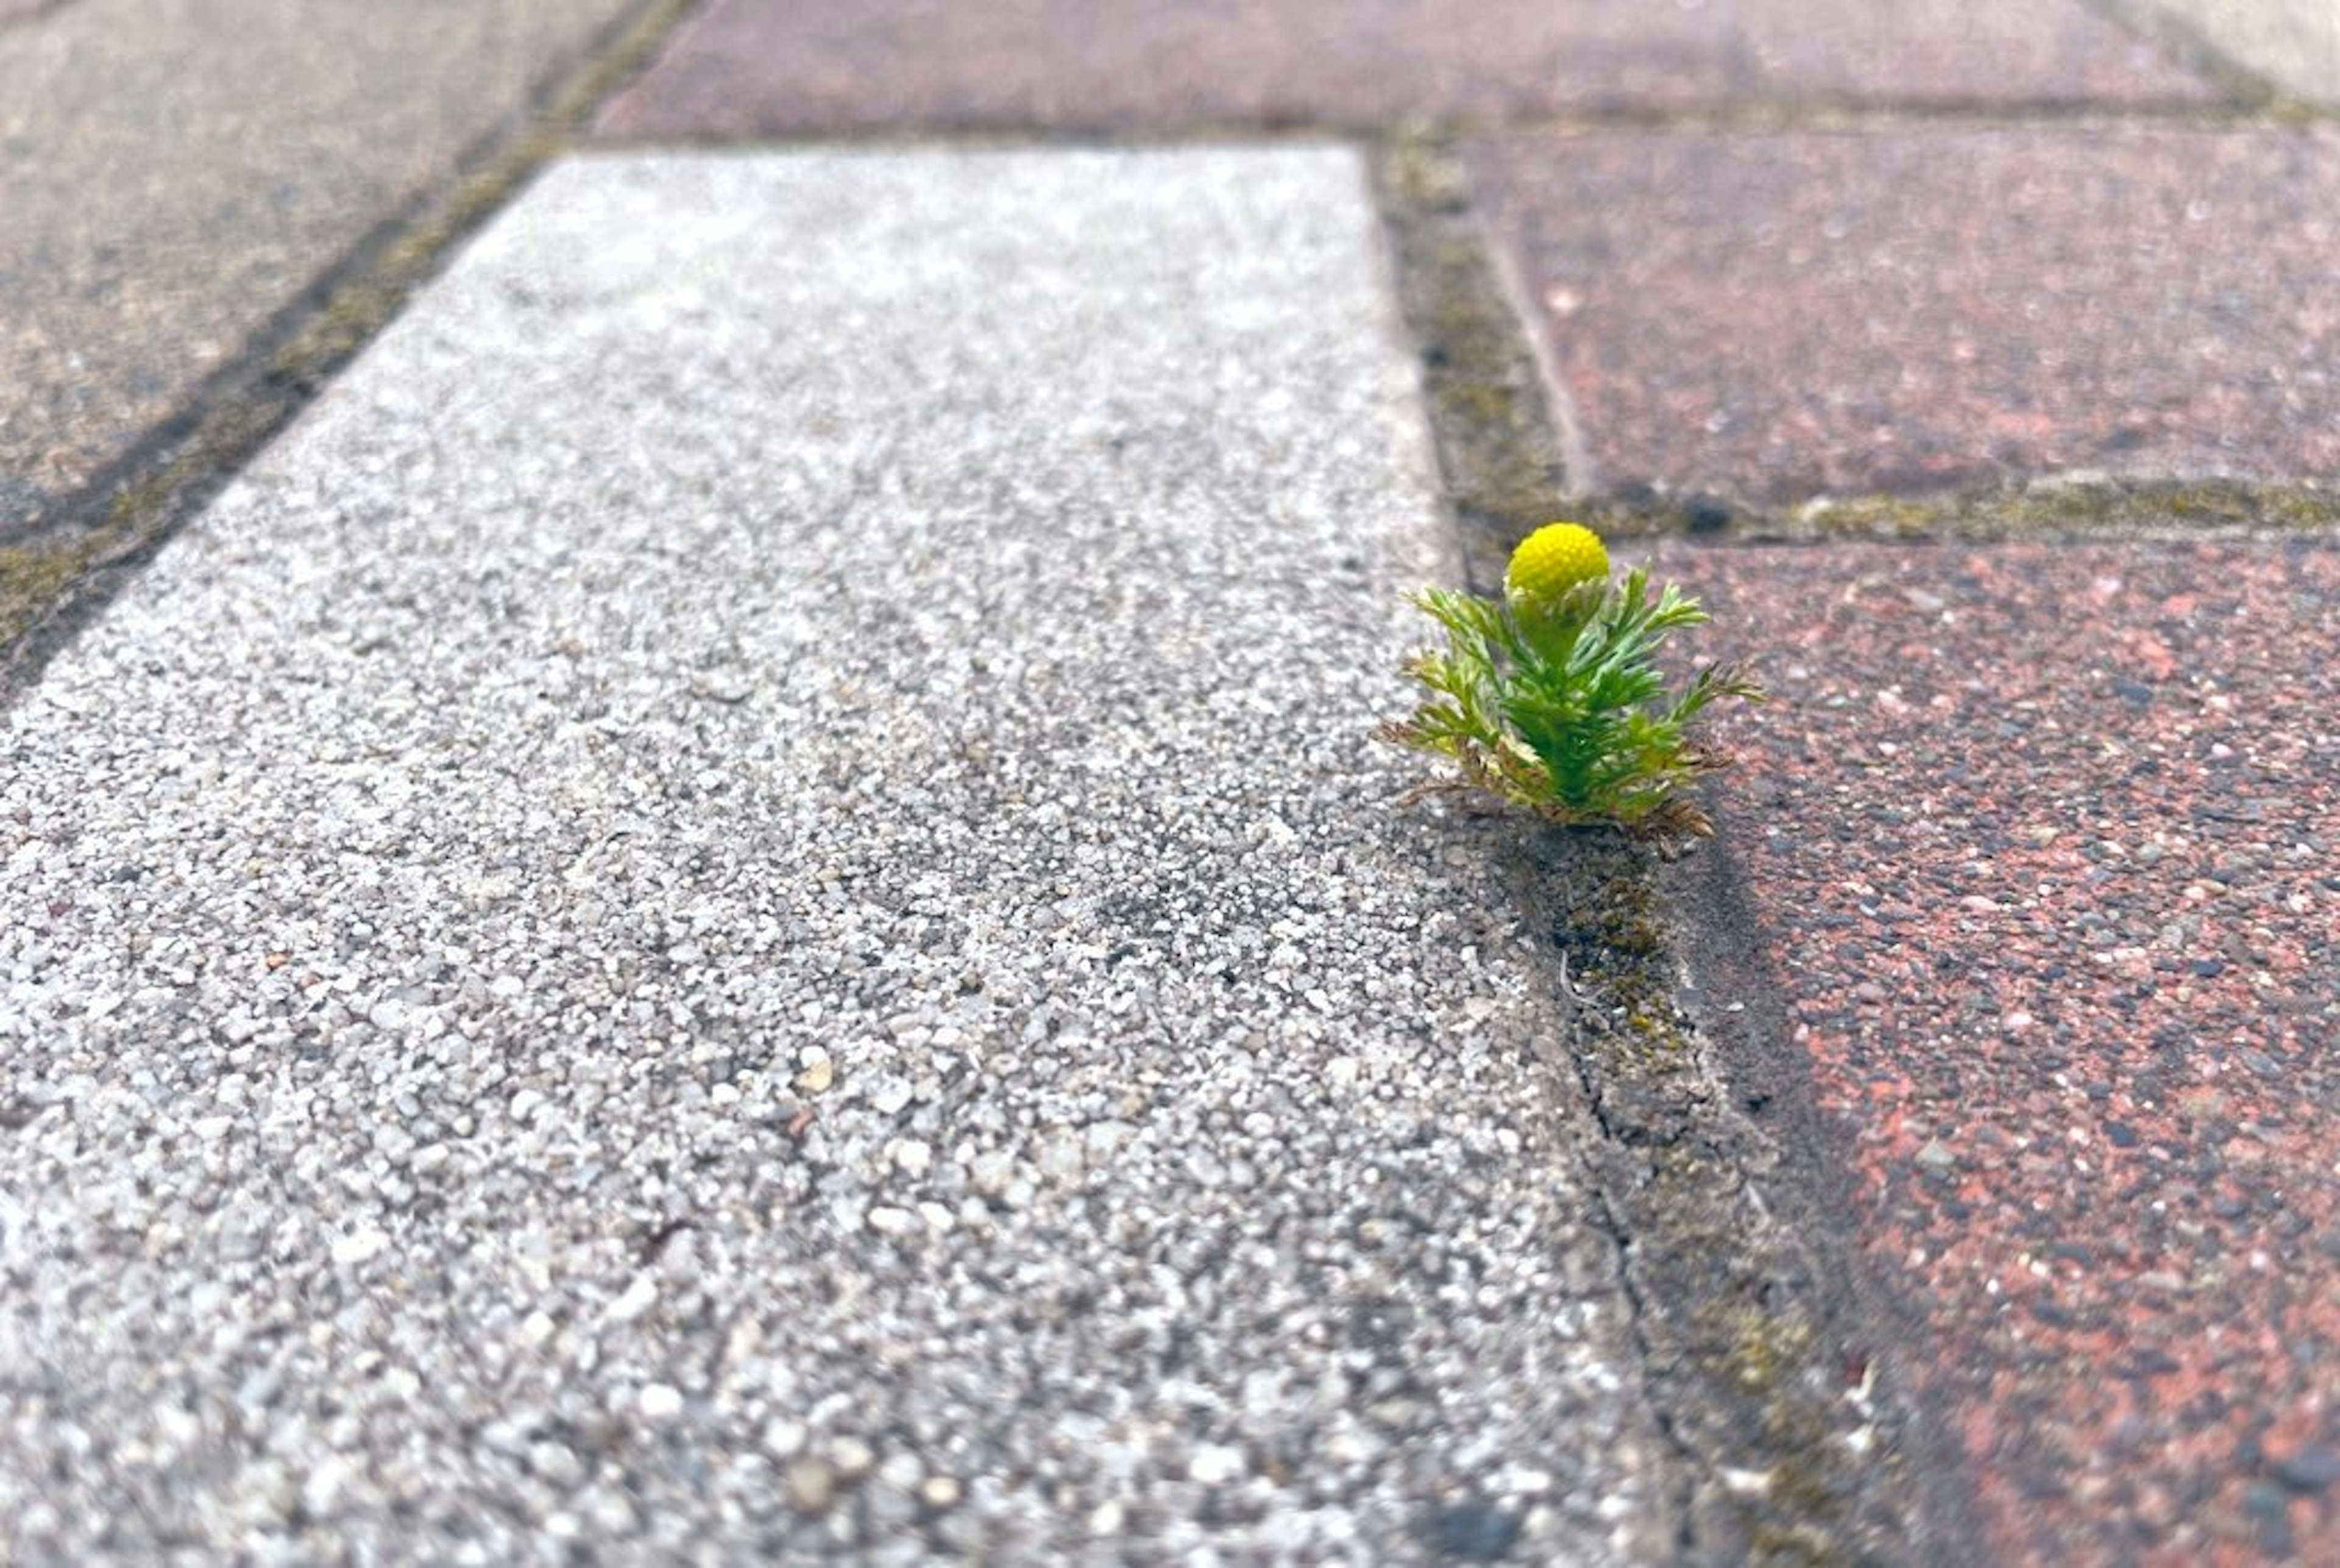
[(35, 577), (1501, 451), (36, 571), (1496, 443), (1736, 1333), (2057, 508), (1764, 1348)]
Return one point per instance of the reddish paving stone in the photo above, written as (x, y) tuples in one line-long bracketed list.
[(1774, 317), (2046, 847), (752, 67)]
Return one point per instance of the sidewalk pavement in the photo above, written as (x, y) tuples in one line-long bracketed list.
[(757, 67), (758, 821), (174, 176), (735, 907), (2047, 837)]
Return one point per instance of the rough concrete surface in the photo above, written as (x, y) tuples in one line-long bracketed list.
[(2294, 43), (1774, 317), (174, 172), (750, 67), (2043, 842), (737, 904)]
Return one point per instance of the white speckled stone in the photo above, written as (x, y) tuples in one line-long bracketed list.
[(737, 907)]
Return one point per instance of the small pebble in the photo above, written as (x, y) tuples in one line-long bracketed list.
[(1213, 1465), (1469, 1532), (2310, 1470), (361, 1245), (811, 1484)]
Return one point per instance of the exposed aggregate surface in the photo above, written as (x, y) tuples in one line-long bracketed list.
[(737, 907), (2046, 842), (174, 172), (1777, 316)]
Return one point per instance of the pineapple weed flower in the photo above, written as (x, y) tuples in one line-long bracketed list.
[(1550, 698)]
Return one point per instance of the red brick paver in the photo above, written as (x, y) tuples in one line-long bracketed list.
[(2046, 846), (749, 68), (1775, 317)]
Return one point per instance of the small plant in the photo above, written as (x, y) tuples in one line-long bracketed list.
[(1550, 698)]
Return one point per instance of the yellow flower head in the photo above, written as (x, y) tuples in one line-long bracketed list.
[(1554, 559)]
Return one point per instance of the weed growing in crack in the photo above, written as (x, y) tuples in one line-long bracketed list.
[(1550, 698)]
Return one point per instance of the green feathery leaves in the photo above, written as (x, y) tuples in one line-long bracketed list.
[(1558, 705)]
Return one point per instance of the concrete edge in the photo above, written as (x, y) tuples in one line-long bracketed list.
[(2238, 108), (1511, 461), (1494, 414), (63, 571), (1768, 1349), (2246, 88), (30, 13), (2072, 506)]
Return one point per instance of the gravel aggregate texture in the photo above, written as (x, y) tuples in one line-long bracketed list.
[(174, 172), (761, 67), (736, 908), (2044, 844), (1775, 317)]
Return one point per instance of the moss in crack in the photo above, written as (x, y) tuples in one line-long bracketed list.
[(35, 577), (1497, 444), (1744, 1334), (1626, 926), (2078, 506), (2069, 506), (1763, 1348)]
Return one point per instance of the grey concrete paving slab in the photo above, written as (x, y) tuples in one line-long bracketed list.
[(2294, 43), (739, 904), (174, 172), (1777, 316), (760, 67)]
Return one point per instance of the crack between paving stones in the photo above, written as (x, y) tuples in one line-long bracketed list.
[(59, 571), (1718, 1290), (1681, 1487), (2248, 106), (1511, 455), (1743, 1314), (1504, 470)]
